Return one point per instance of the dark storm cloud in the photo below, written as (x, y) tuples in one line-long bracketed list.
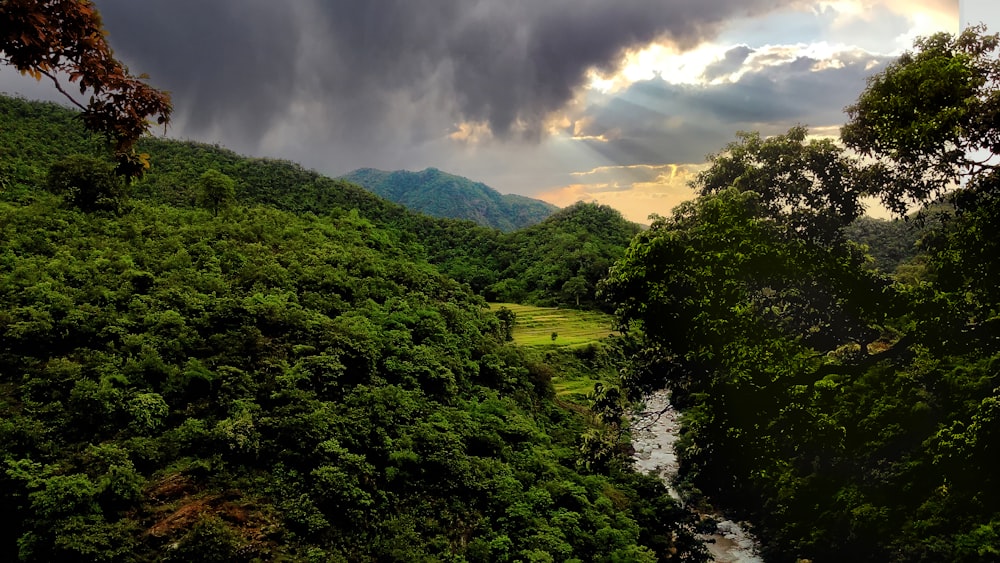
[(683, 123), (218, 59), (794, 91), (730, 63), (361, 68)]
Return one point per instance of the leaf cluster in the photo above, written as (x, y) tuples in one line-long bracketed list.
[(930, 117)]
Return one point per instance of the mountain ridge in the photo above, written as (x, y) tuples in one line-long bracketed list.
[(532, 264), (441, 194)]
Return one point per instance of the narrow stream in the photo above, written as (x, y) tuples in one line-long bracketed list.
[(653, 441)]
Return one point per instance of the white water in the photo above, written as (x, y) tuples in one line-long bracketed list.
[(654, 433)]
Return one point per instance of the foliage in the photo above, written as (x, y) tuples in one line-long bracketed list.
[(33, 137), (890, 243), (216, 190), (930, 117), (53, 37), (530, 265), (811, 186), (88, 183), (561, 260), (899, 246), (273, 384), (847, 414), (507, 319)]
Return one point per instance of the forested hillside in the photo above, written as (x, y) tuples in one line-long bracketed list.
[(556, 262), (531, 265), (849, 414), (439, 194), (561, 260), (216, 369), (895, 245)]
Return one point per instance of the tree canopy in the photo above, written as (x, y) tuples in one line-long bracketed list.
[(930, 118), (87, 182), (811, 185), (216, 190), (846, 413)]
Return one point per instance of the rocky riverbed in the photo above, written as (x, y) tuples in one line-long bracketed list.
[(655, 430)]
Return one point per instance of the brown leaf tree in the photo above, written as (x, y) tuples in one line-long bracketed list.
[(66, 40)]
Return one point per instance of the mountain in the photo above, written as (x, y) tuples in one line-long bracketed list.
[(440, 194)]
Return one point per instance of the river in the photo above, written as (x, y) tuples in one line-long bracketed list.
[(655, 429)]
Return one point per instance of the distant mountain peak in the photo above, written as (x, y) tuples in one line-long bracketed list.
[(438, 193)]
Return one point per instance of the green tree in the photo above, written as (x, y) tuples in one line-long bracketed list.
[(88, 183), (507, 320), (216, 191), (576, 287), (930, 117), (812, 186)]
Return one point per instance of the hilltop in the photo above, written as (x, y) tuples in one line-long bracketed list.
[(530, 265), (440, 194)]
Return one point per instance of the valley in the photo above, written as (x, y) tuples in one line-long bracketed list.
[(226, 358)]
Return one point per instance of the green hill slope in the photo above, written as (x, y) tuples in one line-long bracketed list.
[(440, 194), (561, 260), (530, 265), (272, 384)]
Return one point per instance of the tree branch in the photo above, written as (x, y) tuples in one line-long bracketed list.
[(63, 92), (898, 350), (649, 418)]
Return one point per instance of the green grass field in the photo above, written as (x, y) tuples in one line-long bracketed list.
[(574, 390), (535, 325), (573, 328)]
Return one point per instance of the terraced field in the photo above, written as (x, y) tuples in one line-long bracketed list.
[(536, 325)]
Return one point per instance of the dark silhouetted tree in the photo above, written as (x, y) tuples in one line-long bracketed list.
[(88, 183)]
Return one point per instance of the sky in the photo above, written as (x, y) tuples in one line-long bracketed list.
[(614, 101)]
